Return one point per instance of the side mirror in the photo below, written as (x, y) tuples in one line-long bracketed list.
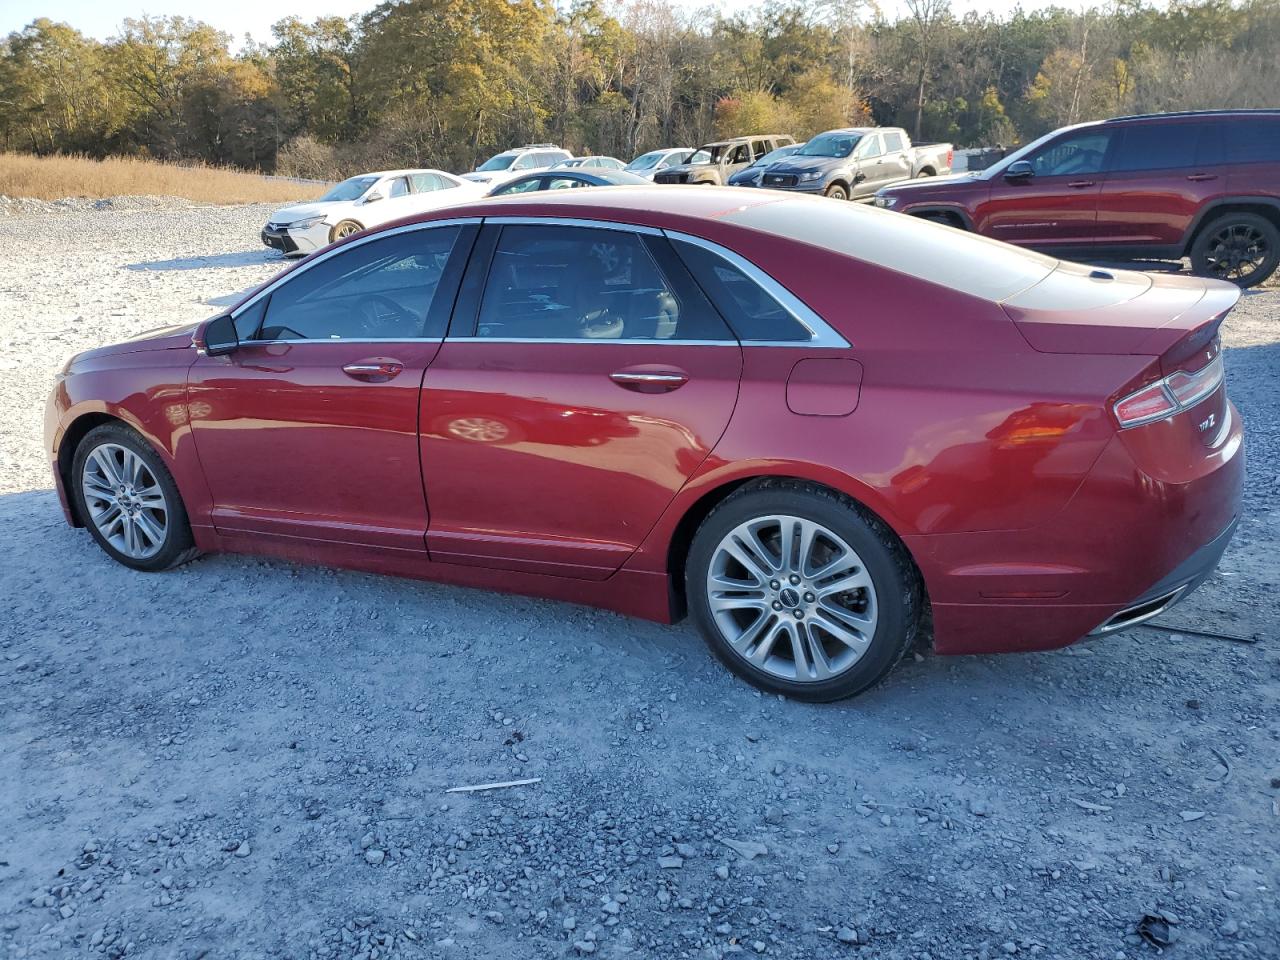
[(220, 337), (373, 196), (1020, 170)]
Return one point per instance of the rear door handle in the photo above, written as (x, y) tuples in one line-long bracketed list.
[(1081, 184), (374, 370), (643, 381), (1201, 177)]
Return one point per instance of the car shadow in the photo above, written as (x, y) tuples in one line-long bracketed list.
[(248, 258)]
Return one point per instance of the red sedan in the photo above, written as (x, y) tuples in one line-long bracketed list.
[(814, 426)]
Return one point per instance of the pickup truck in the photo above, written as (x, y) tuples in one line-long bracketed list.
[(716, 162), (852, 163)]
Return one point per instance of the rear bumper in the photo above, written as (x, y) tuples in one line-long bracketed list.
[(1130, 544)]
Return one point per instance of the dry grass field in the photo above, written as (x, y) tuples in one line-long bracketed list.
[(52, 178)]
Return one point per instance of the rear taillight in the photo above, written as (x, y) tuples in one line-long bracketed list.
[(1169, 395)]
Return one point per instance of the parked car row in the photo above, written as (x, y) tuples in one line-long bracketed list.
[(1203, 185)]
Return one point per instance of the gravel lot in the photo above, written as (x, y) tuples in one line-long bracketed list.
[(248, 759)]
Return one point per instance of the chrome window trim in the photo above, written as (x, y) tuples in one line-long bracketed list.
[(566, 340), (575, 222), (302, 268), (821, 334)]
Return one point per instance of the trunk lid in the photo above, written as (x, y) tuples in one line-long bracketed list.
[(1081, 309)]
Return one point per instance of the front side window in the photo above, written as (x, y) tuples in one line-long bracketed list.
[(1156, 146), (647, 161), (399, 187), (581, 283), (1076, 154), (869, 147), (740, 154), (519, 186), (502, 161), (564, 183), (758, 149), (379, 290), (751, 310)]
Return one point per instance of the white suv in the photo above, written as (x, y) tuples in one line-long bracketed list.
[(509, 164)]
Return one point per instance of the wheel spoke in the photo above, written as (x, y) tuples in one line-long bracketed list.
[(149, 528), (107, 466), (850, 637), (152, 498), (820, 665), (756, 564), (856, 580)]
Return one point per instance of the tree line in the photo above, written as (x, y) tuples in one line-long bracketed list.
[(446, 83)]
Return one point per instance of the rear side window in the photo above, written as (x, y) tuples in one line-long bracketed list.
[(893, 142), (580, 283), (1157, 146), (380, 290), (1253, 141), (751, 310)]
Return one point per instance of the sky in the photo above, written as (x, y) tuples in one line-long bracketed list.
[(102, 18)]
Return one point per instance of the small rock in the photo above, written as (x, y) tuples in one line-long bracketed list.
[(722, 872), (747, 849), (670, 863), (1190, 815), (584, 946), (833, 848), (243, 850), (374, 856), (847, 935), (979, 808), (686, 850)]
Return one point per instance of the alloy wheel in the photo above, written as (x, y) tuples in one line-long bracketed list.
[(792, 598), (125, 501), (1236, 251)]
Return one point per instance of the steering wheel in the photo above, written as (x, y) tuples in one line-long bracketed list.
[(382, 316)]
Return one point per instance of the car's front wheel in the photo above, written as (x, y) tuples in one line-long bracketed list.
[(837, 191), (801, 592), (345, 228), (1243, 248), (129, 501)]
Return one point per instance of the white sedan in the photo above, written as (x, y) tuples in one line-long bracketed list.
[(363, 201)]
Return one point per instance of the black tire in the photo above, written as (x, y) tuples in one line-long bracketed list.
[(942, 218), (898, 597), (177, 545), (837, 191), (1241, 248), (344, 228), (926, 172)]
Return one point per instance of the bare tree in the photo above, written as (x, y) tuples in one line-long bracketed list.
[(927, 17)]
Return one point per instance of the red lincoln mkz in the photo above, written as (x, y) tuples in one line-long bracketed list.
[(808, 423)]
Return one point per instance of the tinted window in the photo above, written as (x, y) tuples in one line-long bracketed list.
[(380, 290), (893, 142), (247, 323), (1156, 146), (577, 283), (519, 186), (1079, 153), (564, 183), (750, 309), (1253, 141), (758, 149)]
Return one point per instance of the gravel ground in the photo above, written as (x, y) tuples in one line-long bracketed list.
[(249, 759)]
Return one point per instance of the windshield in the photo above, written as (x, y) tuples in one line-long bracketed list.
[(646, 160), (501, 162), (773, 155), (352, 189), (830, 145)]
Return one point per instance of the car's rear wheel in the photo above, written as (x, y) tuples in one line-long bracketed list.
[(344, 229), (801, 592), (129, 501), (1243, 248), (837, 191)]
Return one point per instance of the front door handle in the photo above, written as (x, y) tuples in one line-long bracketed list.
[(663, 381), (1202, 177), (375, 370), (1081, 184)]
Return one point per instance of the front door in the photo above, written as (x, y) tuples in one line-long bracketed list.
[(584, 380), (310, 428), (1057, 206)]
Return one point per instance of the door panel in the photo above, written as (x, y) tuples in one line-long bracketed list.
[(535, 459), (292, 444), (310, 428), (1058, 206), (1161, 175)]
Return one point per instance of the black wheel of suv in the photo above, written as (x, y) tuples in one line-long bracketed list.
[(801, 592), (127, 498), (837, 191), (1243, 248)]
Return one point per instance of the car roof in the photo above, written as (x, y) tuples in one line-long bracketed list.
[(402, 173), (1194, 114), (855, 130)]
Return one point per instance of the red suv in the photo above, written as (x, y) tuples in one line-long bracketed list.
[(1165, 186)]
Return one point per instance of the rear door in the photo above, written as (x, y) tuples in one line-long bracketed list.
[(1161, 173), (1058, 205), (584, 379)]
